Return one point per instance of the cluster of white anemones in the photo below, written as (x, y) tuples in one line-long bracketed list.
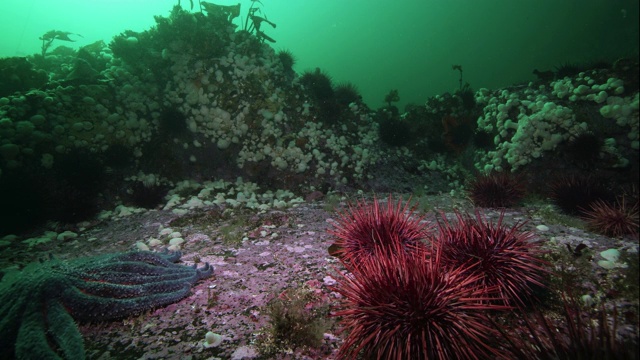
[(529, 122), (86, 117), (269, 129)]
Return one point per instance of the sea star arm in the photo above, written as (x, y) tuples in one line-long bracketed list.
[(38, 305), (40, 333), (84, 307)]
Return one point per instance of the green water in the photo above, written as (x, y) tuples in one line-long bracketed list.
[(378, 45)]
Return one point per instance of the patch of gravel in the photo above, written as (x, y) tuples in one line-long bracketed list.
[(282, 249), (259, 255)]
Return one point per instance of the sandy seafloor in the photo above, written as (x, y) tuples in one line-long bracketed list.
[(284, 249)]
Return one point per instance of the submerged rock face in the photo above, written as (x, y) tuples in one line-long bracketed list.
[(17, 74), (198, 98), (194, 91), (190, 98)]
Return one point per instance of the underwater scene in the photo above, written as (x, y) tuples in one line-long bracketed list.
[(269, 179)]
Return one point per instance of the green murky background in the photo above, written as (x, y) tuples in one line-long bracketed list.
[(378, 45)]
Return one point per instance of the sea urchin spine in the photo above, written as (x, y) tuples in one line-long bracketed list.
[(503, 256), (612, 219), (497, 190), (402, 305), (365, 227)]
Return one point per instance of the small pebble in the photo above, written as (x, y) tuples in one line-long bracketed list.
[(154, 242), (9, 238), (606, 264), (66, 235), (542, 228), (587, 300), (611, 254), (212, 339), (329, 281), (142, 246), (176, 241)]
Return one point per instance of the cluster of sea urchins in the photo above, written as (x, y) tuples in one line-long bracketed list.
[(582, 196), (597, 205), (409, 293)]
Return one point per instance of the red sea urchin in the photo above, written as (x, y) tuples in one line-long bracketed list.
[(612, 219), (572, 194), (364, 227), (402, 305), (504, 257), (496, 190), (578, 334)]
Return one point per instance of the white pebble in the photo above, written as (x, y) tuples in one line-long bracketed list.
[(542, 228), (142, 246), (154, 242), (212, 339), (587, 300), (329, 281), (66, 235), (611, 254), (606, 264), (176, 241)]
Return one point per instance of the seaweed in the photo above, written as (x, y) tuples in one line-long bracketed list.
[(297, 318), (51, 35)]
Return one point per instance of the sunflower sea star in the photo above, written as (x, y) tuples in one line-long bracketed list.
[(39, 304)]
